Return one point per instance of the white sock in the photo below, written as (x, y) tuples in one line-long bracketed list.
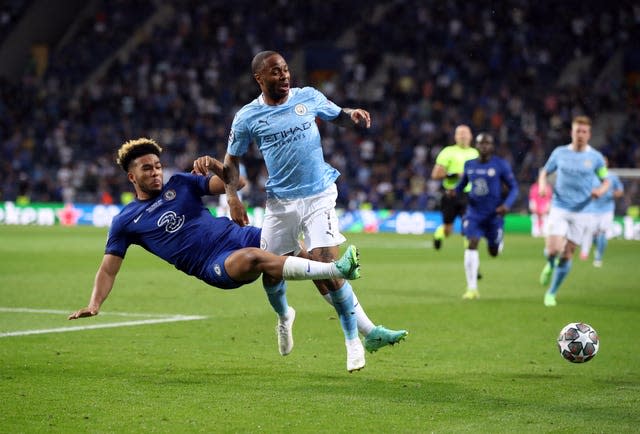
[(365, 325), (304, 269), (471, 265)]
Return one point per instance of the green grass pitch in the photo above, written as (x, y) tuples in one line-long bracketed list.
[(489, 365)]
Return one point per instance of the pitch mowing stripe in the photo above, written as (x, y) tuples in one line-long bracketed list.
[(163, 319)]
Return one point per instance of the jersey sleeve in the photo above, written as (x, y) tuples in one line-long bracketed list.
[(443, 158), (239, 136), (552, 163), (325, 108), (510, 180), (617, 185), (464, 180), (117, 241)]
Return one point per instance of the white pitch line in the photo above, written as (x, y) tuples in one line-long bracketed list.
[(68, 312), (165, 319)]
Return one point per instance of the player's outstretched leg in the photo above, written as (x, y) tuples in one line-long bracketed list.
[(381, 337), (349, 263)]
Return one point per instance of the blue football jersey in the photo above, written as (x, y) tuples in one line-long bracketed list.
[(289, 140), (578, 172), (487, 180), (606, 202), (175, 226)]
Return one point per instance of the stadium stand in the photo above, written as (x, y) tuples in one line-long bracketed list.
[(178, 70)]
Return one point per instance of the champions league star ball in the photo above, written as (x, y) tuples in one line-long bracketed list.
[(578, 342)]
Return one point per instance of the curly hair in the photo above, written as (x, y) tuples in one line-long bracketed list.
[(133, 149)]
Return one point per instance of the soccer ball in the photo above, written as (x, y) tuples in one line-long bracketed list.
[(578, 342)]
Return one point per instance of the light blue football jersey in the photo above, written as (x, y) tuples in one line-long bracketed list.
[(289, 140), (577, 173), (606, 202)]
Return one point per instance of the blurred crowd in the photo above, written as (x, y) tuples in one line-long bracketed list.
[(420, 68)]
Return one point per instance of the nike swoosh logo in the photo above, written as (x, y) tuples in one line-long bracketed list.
[(135, 220), (308, 267)]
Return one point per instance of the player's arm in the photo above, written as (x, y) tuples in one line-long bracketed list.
[(542, 182), (103, 283), (460, 186), (603, 174), (349, 117), (601, 189), (618, 190), (510, 181), (439, 172), (231, 177), (202, 166)]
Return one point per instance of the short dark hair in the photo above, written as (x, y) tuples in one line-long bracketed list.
[(258, 60), (133, 149)]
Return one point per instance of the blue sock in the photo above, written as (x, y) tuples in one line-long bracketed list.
[(343, 303), (601, 245), (277, 296), (561, 271)]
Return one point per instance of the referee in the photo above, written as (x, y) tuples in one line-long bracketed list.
[(449, 167)]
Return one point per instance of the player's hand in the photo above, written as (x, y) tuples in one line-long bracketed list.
[(83, 313), (238, 212), (542, 191), (502, 210), (598, 192), (360, 117), (202, 165)]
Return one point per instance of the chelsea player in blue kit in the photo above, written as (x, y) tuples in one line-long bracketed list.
[(579, 168), (486, 206), (301, 190), (172, 222)]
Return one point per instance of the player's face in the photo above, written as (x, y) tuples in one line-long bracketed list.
[(485, 147), (145, 173), (274, 78), (580, 134), (462, 135)]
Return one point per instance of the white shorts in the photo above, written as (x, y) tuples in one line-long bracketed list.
[(568, 224), (313, 218), (601, 222)]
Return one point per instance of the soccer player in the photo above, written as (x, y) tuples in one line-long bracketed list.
[(301, 190), (172, 222), (539, 207), (487, 206), (579, 167), (601, 211), (448, 168)]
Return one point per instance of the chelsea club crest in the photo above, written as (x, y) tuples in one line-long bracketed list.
[(169, 195)]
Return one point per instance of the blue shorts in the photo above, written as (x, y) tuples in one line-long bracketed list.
[(490, 228), (238, 238)]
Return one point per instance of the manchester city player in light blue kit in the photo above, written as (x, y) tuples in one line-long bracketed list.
[(486, 206), (172, 222), (579, 167), (301, 193), (601, 212)]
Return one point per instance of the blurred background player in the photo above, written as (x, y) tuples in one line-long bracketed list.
[(539, 206), (579, 167), (301, 190), (601, 211), (448, 168), (487, 205)]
